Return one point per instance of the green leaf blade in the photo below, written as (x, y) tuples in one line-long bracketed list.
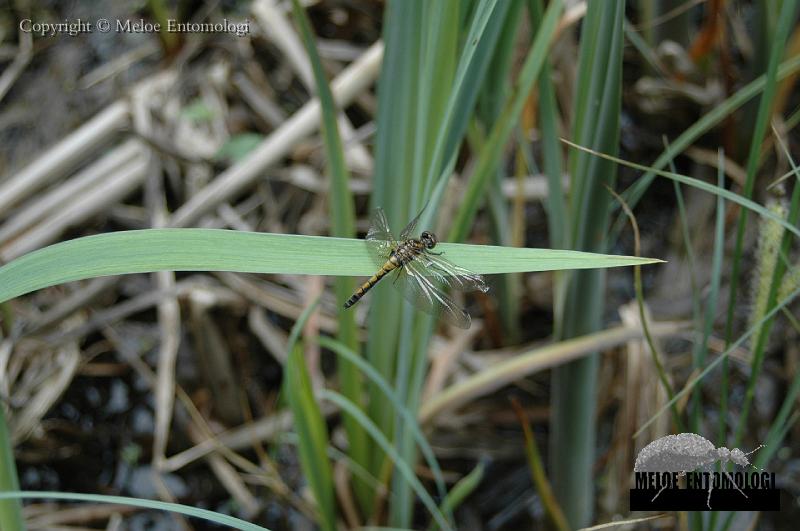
[(145, 251)]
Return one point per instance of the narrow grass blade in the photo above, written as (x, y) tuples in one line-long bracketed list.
[(716, 115), (397, 94), (759, 349), (700, 185), (474, 78), (312, 434), (506, 288), (538, 475), (596, 123), (403, 466), (341, 199), (643, 318), (558, 221), (700, 350), (438, 52), (448, 136), (309, 424), (409, 420), (440, 131), (203, 514), (417, 31), (732, 348), (462, 490), (786, 417), (10, 509), (784, 25), (696, 293), (144, 251), (491, 152), (341, 206)]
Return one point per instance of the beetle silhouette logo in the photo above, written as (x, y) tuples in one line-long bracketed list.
[(686, 452)]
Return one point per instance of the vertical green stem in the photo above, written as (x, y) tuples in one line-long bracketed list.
[(10, 510), (596, 125), (785, 23), (342, 224)]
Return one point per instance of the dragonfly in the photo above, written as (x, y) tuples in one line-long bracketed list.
[(419, 273)]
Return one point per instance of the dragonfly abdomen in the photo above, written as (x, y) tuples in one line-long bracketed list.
[(390, 265)]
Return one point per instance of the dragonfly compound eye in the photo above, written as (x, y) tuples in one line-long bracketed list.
[(429, 239)]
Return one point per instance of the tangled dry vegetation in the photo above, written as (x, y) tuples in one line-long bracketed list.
[(166, 385)]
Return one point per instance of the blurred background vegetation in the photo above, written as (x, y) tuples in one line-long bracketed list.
[(257, 396)]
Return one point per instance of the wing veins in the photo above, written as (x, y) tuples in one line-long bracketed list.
[(424, 294), (455, 276)]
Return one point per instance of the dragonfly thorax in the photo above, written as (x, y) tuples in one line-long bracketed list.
[(408, 250)]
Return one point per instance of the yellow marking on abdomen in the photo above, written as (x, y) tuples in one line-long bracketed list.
[(385, 269)]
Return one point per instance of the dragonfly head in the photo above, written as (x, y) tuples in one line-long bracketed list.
[(429, 239)]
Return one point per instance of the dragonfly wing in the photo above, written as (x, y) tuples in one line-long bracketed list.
[(451, 275), (424, 292), (409, 230), (380, 240)]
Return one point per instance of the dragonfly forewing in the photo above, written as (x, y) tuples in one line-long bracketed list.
[(409, 230), (380, 240)]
